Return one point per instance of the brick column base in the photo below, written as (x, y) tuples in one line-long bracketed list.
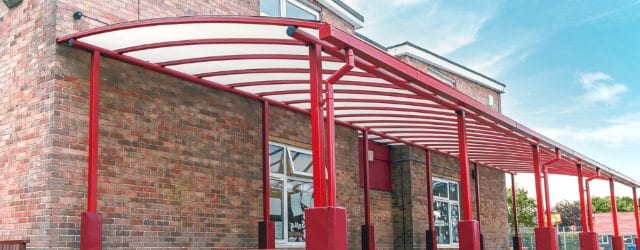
[(589, 241), (266, 235), (517, 243), (469, 233), (432, 240), (368, 237), (91, 231), (618, 243), (546, 238), (326, 228)]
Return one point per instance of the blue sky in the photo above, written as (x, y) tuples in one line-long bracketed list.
[(571, 67)]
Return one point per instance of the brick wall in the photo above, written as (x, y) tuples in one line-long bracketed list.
[(27, 42)]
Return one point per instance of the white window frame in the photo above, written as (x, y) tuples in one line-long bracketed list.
[(603, 239), (283, 9), (282, 176), (451, 203), (627, 237)]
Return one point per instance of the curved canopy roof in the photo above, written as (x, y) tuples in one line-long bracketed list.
[(398, 104)]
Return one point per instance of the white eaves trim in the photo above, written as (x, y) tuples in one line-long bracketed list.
[(433, 59), (343, 13)]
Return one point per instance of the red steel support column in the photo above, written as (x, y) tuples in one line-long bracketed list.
[(331, 156), (326, 226), (588, 240), (368, 232), (546, 237), (432, 240), (91, 221), (618, 241), (589, 209), (517, 241), (635, 213), (266, 227), (469, 229), (476, 176), (547, 199)]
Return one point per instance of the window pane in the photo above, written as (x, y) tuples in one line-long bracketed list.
[(440, 189), (270, 7), (453, 191), (300, 198), (455, 217), (294, 11), (276, 157), (441, 218), (302, 163), (276, 203)]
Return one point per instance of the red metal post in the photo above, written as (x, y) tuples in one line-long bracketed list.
[(266, 228), (589, 209), (517, 241), (476, 176), (326, 226), (91, 221), (368, 233), (618, 241), (547, 199), (635, 214), (537, 175), (432, 240), (331, 134), (583, 212), (514, 206), (317, 128), (469, 229)]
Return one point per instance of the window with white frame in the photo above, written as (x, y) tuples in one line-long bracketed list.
[(288, 8), (603, 239), (446, 211), (291, 191), (628, 240)]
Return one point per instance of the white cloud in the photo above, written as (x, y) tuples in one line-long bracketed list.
[(617, 132), (600, 88)]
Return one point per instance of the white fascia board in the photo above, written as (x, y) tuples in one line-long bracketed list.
[(341, 12), (408, 49)]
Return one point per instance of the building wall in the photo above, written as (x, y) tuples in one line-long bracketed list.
[(27, 47)]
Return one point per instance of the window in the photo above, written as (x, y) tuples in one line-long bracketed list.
[(291, 191), (288, 8), (628, 240), (446, 211), (603, 239)]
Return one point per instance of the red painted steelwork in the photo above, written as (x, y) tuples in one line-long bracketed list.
[(94, 116), (207, 41), (614, 208), (547, 200), (583, 213), (589, 209), (465, 189), (317, 130), (476, 172), (429, 190), (514, 206), (635, 214), (265, 162), (365, 159), (537, 175)]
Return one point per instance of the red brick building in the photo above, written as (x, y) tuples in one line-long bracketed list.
[(180, 161)]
